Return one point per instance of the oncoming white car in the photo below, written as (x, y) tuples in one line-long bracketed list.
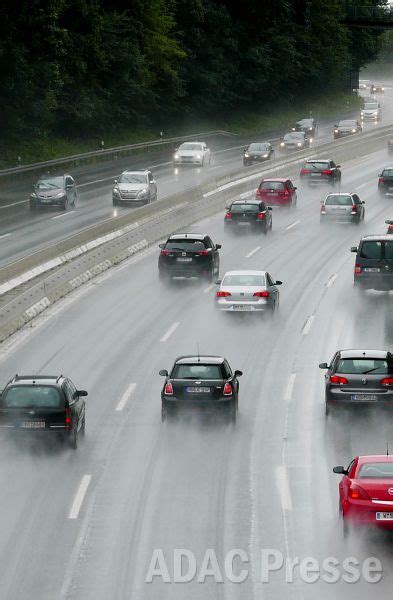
[(192, 153)]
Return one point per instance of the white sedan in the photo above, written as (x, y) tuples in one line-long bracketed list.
[(192, 153)]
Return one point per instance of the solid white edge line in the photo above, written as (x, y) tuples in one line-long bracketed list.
[(125, 397), (250, 254), (362, 185), (79, 497), (307, 326), (283, 487), (171, 330), (292, 225), (331, 280), (289, 388), (4, 235), (63, 214)]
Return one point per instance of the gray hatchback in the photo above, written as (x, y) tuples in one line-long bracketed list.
[(359, 377), (342, 207)]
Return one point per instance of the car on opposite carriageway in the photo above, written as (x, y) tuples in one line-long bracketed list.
[(54, 190), (189, 255), (246, 215), (308, 125), (257, 152), (134, 186), (295, 140), (347, 127)]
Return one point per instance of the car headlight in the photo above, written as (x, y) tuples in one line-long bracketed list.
[(310, 140), (60, 194), (293, 128), (116, 191), (143, 192), (246, 154), (353, 130), (198, 157), (33, 195), (310, 128), (265, 155), (282, 144), (383, 89), (299, 144), (176, 156), (336, 131)]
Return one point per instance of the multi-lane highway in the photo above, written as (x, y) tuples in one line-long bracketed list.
[(85, 524)]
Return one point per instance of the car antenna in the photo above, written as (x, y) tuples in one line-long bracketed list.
[(199, 358)]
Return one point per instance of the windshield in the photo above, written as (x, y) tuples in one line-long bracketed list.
[(133, 178), (316, 165), (197, 371), (245, 208), (371, 105), (338, 200), (377, 470), (272, 185), (305, 123), (190, 146), (296, 135), (246, 279), (362, 366), (32, 396), (258, 147), (185, 245), (50, 184), (347, 124)]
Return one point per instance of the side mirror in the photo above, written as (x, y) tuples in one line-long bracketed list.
[(269, 208), (218, 282), (380, 175), (238, 373), (69, 186), (278, 282), (161, 245), (163, 373), (218, 246), (363, 202), (354, 249), (81, 393), (340, 470), (388, 222), (323, 366)]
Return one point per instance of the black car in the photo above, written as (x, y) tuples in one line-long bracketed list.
[(248, 213), (59, 191), (320, 170), (257, 152), (309, 126), (374, 263), (359, 377), (200, 384), (385, 181), (189, 255), (347, 127), (43, 404)]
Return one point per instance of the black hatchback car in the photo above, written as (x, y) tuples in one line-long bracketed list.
[(200, 384), (248, 214), (189, 255), (359, 377), (43, 404), (59, 191), (257, 152), (320, 170), (385, 181), (374, 263)]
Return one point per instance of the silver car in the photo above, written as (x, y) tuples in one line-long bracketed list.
[(372, 111), (192, 153), (342, 207), (247, 291), (134, 186)]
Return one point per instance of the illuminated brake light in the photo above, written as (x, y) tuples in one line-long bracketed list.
[(356, 492), (168, 390), (227, 389), (228, 215), (264, 294), (164, 252), (358, 269), (354, 210), (260, 216), (327, 172), (381, 180), (387, 381), (338, 379), (68, 419), (221, 294), (203, 253), (323, 209), (305, 171)]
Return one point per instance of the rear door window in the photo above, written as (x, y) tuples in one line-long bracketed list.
[(371, 249), (338, 201)]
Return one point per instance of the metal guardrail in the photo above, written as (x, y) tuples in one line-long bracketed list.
[(110, 152)]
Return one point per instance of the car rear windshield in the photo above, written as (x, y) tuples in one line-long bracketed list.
[(197, 371), (258, 147), (338, 200), (316, 165), (347, 124), (305, 123), (387, 173), (244, 280), (32, 396), (50, 184), (190, 146), (251, 208), (133, 178), (376, 470), (272, 185), (362, 366), (185, 245)]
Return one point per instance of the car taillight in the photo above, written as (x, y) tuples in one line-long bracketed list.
[(286, 192), (358, 269), (264, 294), (327, 172), (387, 381), (381, 180), (68, 419), (305, 171), (227, 389), (259, 193), (203, 253), (390, 228), (323, 209), (260, 216), (338, 379), (168, 390), (164, 252), (221, 294), (356, 492), (228, 215), (354, 209)]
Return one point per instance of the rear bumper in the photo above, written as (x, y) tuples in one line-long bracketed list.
[(275, 200), (338, 397), (339, 218), (315, 180), (194, 161), (240, 307), (241, 224), (382, 283), (364, 514), (185, 270), (176, 406)]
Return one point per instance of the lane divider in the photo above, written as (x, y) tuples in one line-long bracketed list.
[(331, 280), (79, 497), (126, 396), (250, 254), (170, 331), (283, 487), (308, 324), (292, 225), (65, 214)]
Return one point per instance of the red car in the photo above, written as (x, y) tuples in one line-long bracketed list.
[(277, 192), (366, 492)]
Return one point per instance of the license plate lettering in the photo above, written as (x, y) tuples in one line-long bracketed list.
[(364, 397), (186, 259), (384, 516), (33, 424), (198, 390)]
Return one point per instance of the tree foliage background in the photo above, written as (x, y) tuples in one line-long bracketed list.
[(77, 67)]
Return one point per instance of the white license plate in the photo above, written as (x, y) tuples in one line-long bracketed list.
[(384, 516), (45, 200), (198, 390), (372, 269), (364, 398), (241, 307), (33, 424), (316, 174), (184, 259)]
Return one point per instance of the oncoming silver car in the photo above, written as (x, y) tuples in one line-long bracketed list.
[(192, 153), (247, 291)]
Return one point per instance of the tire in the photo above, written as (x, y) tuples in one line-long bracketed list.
[(74, 439), (148, 200)]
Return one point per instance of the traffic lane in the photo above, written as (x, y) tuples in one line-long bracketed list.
[(120, 325)]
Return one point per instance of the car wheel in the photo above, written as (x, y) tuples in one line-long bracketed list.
[(148, 200), (74, 439), (83, 427), (64, 205)]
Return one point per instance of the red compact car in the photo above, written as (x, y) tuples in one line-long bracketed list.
[(277, 192), (366, 492)]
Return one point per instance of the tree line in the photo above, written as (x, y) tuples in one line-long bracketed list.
[(83, 67)]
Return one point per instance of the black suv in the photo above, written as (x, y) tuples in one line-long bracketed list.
[(385, 181), (54, 191), (200, 384), (320, 170), (248, 213), (374, 263), (309, 126), (43, 404), (189, 255), (257, 152)]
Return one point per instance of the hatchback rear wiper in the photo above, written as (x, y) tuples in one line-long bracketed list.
[(179, 250), (371, 370)]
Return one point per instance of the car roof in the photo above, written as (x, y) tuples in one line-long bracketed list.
[(130, 171), (245, 272), (310, 160), (347, 121), (364, 353), (193, 236), (192, 142), (376, 237), (305, 120), (251, 201), (194, 358), (282, 179), (36, 380), (363, 460)]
